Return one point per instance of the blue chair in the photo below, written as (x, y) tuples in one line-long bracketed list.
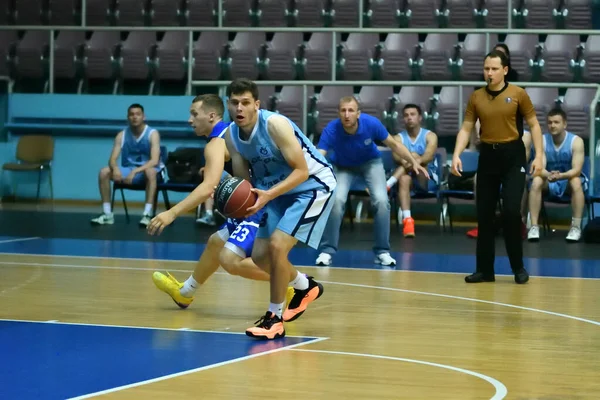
[(141, 186), (470, 161), (547, 198)]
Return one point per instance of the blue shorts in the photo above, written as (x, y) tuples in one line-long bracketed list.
[(302, 215), (560, 189), (239, 234), (139, 178)]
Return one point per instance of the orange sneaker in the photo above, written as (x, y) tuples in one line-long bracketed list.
[(408, 227), (301, 300), (473, 233), (268, 327)]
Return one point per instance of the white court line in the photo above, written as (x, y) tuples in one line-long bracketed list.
[(448, 296), (144, 327), (320, 268), (191, 371), (19, 239), (501, 390)]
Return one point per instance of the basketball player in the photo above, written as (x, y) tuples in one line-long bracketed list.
[(139, 147), (231, 246), (295, 183)]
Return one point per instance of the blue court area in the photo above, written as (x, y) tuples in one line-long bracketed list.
[(60, 361), (353, 259)]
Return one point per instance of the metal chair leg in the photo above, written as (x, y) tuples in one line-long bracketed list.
[(125, 205), (37, 197), (50, 183)]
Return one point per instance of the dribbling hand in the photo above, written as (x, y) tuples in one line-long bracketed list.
[(160, 222), (456, 166), (262, 198)]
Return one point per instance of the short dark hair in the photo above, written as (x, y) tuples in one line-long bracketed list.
[(415, 106), (349, 99), (211, 102), (135, 105), (497, 54), (503, 47), (242, 85), (558, 111)]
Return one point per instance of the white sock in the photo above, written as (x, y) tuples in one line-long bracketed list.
[(148, 209), (277, 309), (405, 214), (106, 208), (300, 283), (391, 182), (189, 287), (209, 213), (576, 222)]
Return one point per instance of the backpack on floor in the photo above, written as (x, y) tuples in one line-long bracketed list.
[(184, 163), (591, 232)]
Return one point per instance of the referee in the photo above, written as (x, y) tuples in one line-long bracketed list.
[(500, 108)]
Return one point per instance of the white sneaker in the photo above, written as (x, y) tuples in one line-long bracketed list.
[(206, 219), (103, 219), (384, 259), (574, 234), (145, 220), (534, 233), (324, 260)]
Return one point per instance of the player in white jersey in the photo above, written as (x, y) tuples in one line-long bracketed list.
[(295, 183)]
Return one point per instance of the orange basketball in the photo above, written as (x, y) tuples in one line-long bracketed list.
[(234, 196)]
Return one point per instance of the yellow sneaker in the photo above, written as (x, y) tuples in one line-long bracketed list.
[(168, 284), (289, 295)]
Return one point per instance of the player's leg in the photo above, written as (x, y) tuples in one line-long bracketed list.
[(536, 189), (576, 190), (235, 256), (182, 293), (107, 217), (398, 172), (150, 176)]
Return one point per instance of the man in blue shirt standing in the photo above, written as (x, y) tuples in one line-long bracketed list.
[(351, 140)]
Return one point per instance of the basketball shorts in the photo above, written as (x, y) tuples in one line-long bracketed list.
[(561, 190), (139, 178), (302, 215), (239, 234)]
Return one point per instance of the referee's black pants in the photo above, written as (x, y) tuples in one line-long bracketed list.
[(500, 165)]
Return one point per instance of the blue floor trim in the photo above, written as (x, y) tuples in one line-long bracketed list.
[(59, 361), (353, 259)]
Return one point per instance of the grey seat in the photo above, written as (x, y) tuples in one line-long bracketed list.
[(202, 13), (580, 14), (65, 46), (398, 48), (273, 13), (383, 13), (497, 14), (62, 12), (346, 13), (318, 55), (281, 52), (236, 13), (99, 52), (96, 12), (356, 52), (28, 12), (543, 100), (591, 71), (448, 109), (423, 13), (207, 50), (165, 13), (558, 51), (437, 50), (289, 102), (540, 14), (135, 51), (309, 13), (7, 40), (576, 104), (131, 12), (30, 52), (461, 13), (171, 53), (374, 100), (522, 49), (244, 52)]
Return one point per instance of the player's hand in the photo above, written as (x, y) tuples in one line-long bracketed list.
[(456, 166), (536, 166), (554, 176), (160, 222), (262, 198), (421, 170)]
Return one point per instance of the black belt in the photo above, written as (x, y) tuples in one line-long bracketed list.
[(497, 146)]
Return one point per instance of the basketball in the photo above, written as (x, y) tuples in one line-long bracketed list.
[(233, 197)]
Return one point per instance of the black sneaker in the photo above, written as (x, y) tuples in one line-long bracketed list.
[(522, 276), (301, 300), (479, 277), (268, 327)]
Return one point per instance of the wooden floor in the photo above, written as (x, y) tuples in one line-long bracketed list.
[(390, 334)]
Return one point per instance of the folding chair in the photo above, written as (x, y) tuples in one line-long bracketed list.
[(160, 177)]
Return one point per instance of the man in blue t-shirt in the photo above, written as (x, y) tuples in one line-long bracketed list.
[(350, 140)]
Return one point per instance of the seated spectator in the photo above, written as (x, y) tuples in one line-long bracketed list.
[(562, 177), (138, 146), (422, 144)]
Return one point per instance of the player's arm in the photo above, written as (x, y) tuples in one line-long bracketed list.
[(527, 143), (154, 153), (399, 160), (116, 151), (325, 140), (214, 155), (240, 166), (282, 133), (577, 160), (430, 149), (399, 150)]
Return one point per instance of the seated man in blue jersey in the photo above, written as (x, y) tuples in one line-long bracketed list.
[(561, 177), (139, 148), (224, 247), (294, 184), (351, 141), (422, 144)]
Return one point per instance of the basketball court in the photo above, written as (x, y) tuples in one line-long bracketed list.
[(81, 318)]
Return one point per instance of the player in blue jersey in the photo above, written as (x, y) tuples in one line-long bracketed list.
[(138, 146), (561, 177), (294, 183), (231, 246), (422, 144)]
